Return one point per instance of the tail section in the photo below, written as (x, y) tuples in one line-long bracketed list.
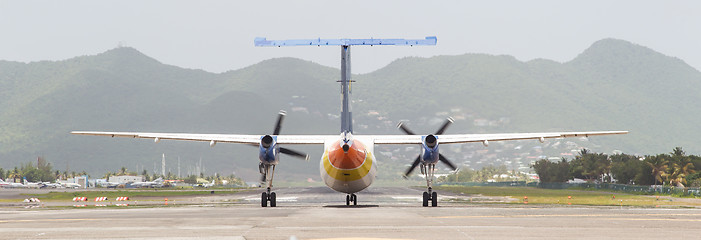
[(346, 115), (345, 43)]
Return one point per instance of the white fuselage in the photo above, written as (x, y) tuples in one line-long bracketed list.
[(348, 171)]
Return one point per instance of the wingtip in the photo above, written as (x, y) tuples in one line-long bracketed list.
[(399, 125)]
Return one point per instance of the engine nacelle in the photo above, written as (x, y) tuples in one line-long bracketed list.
[(430, 141), (266, 141), (267, 151), (430, 152)]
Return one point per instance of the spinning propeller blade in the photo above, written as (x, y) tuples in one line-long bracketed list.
[(447, 123), (405, 129), (294, 153), (413, 165), (446, 161), (278, 124)]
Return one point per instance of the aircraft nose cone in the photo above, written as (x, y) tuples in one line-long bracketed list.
[(347, 156)]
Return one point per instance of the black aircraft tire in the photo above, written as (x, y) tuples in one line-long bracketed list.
[(264, 200), (434, 199), (347, 200), (273, 202), (425, 199)]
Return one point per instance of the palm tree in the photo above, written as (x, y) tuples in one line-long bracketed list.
[(15, 175), (678, 152), (679, 173), (659, 166)]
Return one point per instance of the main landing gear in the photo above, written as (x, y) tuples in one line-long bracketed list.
[(430, 195), (351, 198), (267, 196)]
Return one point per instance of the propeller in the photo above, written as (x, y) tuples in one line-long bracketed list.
[(441, 158), (278, 126), (267, 141)]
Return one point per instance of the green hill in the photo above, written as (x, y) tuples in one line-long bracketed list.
[(613, 85)]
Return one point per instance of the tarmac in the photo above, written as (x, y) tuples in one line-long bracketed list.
[(320, 213)]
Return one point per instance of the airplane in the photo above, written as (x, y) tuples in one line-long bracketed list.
[(70, 185), (206, 185), (109, 184), (152, 184), (348, 164), (52, 185), (11, 184), (33, 184)]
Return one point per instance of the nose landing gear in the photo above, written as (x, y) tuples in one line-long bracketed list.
[(430, 196), (268, 196), (351, 198)]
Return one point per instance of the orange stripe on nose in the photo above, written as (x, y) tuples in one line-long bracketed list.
[(352, 159)]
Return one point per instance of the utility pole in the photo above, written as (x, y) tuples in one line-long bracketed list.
[(163, 165)]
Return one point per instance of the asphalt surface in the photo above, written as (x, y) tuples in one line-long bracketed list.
[(320, 213)]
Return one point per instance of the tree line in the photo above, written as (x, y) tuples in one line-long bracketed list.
[(42, 172), (672, 169), (487, 173)]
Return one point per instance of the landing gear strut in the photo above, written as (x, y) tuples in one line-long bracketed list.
[(430, 195), (351, 198), (268, 196)]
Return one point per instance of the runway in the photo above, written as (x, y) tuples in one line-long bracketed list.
[(316, 213)]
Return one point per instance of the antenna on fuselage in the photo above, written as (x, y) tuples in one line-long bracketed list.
[(346, 114)]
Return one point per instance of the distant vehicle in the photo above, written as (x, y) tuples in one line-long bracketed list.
[(11, 184), (152, 184), (205, 185)]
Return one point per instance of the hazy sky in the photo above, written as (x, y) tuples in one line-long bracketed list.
[(218, 36)]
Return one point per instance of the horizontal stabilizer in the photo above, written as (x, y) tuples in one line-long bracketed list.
[(263, 42)]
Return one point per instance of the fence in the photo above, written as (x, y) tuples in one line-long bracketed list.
[(657, 189)]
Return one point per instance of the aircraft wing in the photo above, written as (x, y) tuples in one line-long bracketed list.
[(465, 138), (320, 139), (228, 138)]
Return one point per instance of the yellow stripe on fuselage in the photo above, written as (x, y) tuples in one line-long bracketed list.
[(347, 174)]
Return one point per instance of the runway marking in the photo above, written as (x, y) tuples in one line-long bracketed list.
[(49, 220), (574, 215), (385, 227), (657, 219), (359, 239), (278, 199), (405, 198)]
